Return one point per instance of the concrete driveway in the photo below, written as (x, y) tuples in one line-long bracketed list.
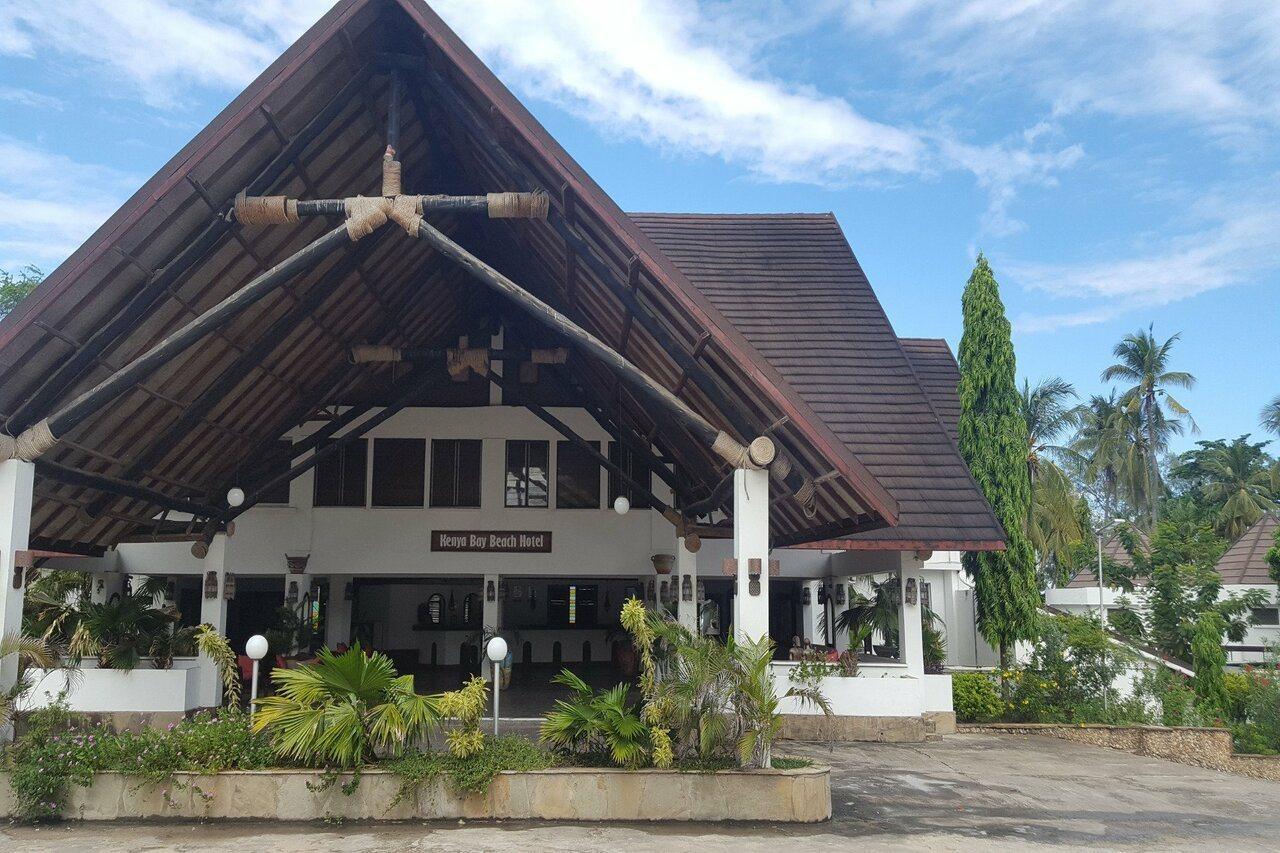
[(964, 792)]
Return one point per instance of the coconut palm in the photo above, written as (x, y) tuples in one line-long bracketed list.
[(1047, 409), (1057, 525), (1108, 452), (344, 710), (1144, 361), (1238, 482), (1271, 415)]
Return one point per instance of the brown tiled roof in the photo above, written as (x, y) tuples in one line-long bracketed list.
[(1114, 550), (939, 377), (1246, 561), (792, 286)]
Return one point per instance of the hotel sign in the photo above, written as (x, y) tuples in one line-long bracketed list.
[(492, 541)]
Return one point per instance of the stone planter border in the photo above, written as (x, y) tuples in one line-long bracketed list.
[(1199, 747), (579, 794)]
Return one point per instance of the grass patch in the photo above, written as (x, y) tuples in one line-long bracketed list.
[(784, 763)]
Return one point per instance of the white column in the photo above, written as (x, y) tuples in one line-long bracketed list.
[(910, 641), (104, 585), (213, 611), (337, 622), (751, 541), (811, 614), (17, 480), (686, 567)]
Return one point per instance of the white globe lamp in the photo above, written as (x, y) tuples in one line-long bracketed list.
[(621, 505), (256, 649), (235, 496), (496, 652)]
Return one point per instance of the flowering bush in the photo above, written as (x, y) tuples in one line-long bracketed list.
[(59, 749), (975, 697)]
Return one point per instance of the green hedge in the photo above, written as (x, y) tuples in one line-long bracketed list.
[(975, 696)]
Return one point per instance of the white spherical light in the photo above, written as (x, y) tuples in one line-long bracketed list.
[(621, 505), (497, 649), (235, 496), (256, 648)]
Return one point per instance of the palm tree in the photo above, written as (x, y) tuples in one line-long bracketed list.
[(1057, 524), (1108, 451), (1271, 415), (1144, 361), (33, 653), (1046, 409), (1239, 483)]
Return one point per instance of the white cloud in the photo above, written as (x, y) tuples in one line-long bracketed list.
[(49, 203), (1240, 245), (28, 98)]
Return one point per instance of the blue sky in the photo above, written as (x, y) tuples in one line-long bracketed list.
[(1119, 168)]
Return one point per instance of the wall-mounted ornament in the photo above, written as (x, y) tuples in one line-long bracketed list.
[(686, 588), (297, 563), (753, 585), (210, 585), (913, 593), (228, 587), (822, 593), (102, 585), (806, 595), (291, 593), (702, 591), (663, 563), (490, 591), (652, 594), (840, 593), (662, 591)]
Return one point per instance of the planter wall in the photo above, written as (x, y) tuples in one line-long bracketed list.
[(792, 796), (113, 691), (1201, 747)]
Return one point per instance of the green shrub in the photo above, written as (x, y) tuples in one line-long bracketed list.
[(58, 749), (344, 710), (975, 697), (465, 705), (603, 722), (1259, 731), (473, 773)]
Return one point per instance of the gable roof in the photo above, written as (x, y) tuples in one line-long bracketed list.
[(311, 126), (939, 377), (1113, 549), (1246, 560), (792, 286)]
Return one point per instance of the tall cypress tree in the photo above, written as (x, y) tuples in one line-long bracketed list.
[(993, 441)]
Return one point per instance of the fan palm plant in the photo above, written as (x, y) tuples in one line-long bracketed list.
[(1144, 361), (344, 710), (590, 722), (120, 632)]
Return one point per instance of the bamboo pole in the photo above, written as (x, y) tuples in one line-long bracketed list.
[(759, 454), (123, 488), (38, 438)]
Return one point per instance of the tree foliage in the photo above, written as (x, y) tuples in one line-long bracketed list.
[(994, 442), (14, 286)]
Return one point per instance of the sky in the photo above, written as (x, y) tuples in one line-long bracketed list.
[(1118, 166)]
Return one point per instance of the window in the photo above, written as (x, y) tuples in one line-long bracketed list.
[(399, 471), (273, 466), (571, 606), (636, 469), (527, 473), (1265, 615), (577, 476), (340, 476), (455, 472)]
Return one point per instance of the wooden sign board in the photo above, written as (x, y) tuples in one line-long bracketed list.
[(492, 541)]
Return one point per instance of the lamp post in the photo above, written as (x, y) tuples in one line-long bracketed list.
[(256, 649), (496, 651)]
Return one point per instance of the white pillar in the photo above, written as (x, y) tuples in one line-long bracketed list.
[(337, 622), (17, 481), (751, 542), (686, 567), (910, 641), (811, 614), (213, 611), (104, 585)]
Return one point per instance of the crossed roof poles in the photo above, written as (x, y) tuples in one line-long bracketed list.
[(364, 215)]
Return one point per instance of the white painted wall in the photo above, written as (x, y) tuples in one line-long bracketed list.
[(877, 691), (93, 690)]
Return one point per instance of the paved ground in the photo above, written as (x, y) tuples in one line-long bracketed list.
[(965, 792)]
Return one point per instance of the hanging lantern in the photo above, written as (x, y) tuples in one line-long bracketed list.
[(291, 593), (662, 591), (210, 584), (490, 591), (912, 592), (806, 595), (228, 587), (663, 563), (702, 591), (822, 593), (652, 591), (686, 588), (839, 593)]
